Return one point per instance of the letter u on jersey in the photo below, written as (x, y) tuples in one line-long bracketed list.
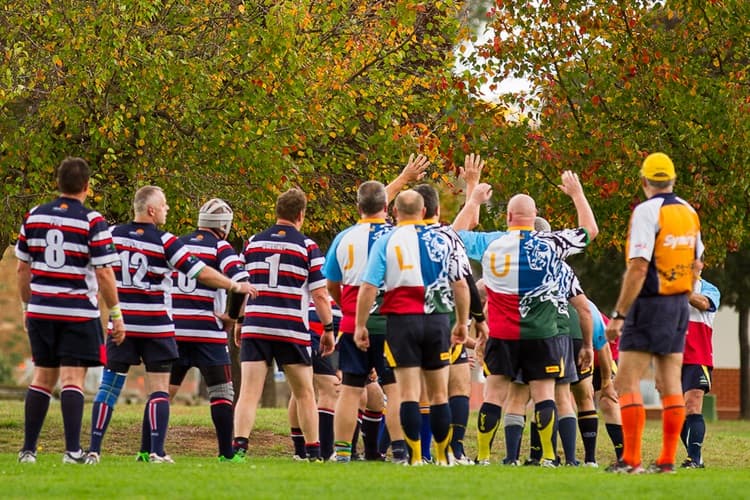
[(506, 266)]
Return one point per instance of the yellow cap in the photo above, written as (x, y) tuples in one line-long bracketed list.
[(658, 167)]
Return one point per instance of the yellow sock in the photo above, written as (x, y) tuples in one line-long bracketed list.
[(484, 442), (441, 449), (415, 450)]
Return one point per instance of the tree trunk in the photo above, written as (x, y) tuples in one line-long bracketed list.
[(744, 365)]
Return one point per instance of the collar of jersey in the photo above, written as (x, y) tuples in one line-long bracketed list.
[(373, 220), (431, 221), (520, 228)]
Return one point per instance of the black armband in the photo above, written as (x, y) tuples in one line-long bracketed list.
[(235, 301), (328, 327), (476, 308)]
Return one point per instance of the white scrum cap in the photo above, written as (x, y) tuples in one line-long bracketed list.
[(541, 224), (217, 214)]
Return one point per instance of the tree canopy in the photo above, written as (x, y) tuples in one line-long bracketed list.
[(612, 82), (244, 99), (238, 100)]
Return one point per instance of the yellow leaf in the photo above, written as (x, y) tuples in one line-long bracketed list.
[(56, 59)]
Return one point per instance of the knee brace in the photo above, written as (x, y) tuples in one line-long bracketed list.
[(110, 387), (221, 391)]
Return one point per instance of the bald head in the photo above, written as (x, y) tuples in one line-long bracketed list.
[(409, 206), (521, 210)]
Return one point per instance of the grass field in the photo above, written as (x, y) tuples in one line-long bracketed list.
[(270, 473)]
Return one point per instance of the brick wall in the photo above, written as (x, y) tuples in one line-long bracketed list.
[(726, 388)]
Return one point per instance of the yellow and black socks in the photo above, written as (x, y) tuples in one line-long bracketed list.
[(440, 423), (411, 422), (488, 420), (545, 413)]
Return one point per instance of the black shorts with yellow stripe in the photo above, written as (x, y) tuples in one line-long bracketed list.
[(696, 377), (418, 340), (458, 354), (533, 359)]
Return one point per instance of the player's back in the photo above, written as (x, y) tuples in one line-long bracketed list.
[(144, 277), (195, 304), (415, 261), (346, 261), (61, 241), (284, 265)]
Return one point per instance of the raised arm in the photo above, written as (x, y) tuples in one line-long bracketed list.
[(471, 172), (468, 217), (571, 186), (413, 171)]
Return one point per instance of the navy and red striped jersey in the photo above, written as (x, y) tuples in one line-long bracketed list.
[(196, 305), (148, 256), (285, 267), (316, 326), (62, 242)]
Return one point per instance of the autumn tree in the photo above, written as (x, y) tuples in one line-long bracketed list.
[(611, 82), (238, 99)]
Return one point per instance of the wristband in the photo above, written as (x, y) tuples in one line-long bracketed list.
[(115, 312), (328, 328)]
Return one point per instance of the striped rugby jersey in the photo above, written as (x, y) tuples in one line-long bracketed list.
[(698, 347), (665, 231), (346, 260), (316, 326), (414, 264), (521, 270), (194, 304), (63, 241), (284, 266), (148, 257)]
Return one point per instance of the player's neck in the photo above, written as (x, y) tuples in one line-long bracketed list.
[(76, 196), (285, 222)]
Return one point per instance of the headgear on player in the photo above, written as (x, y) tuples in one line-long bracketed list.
[(215, 213)]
